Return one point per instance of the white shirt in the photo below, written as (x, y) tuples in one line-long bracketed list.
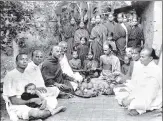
[(34, 71), (14, 83), (148, 88)]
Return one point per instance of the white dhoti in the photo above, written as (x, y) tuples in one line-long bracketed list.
[(51, 91), (51, 103), (68, 70), (17, 112), (119, 96)]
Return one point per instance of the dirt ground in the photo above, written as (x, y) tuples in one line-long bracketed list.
[(102, 108)]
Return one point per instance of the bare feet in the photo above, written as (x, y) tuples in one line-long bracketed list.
[(59, 109), (133, 112), (65, 96)]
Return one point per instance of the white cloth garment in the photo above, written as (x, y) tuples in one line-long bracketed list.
[(14, 83), (34, 71), (145, 87), (68, 70), (129, 83)]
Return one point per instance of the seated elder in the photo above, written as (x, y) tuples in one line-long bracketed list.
[(53, 74), (145, 91), (14, 83), (65, 66)]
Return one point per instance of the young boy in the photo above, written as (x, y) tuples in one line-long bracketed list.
[(75, 62), (129, 52), (135, 58), (82, 50), (31, 92), (126, 65)]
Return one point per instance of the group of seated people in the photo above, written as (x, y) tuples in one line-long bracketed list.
[(32, 88)]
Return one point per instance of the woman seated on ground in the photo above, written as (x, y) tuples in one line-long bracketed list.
[(110, 75)]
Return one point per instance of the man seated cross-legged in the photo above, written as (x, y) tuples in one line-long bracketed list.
[(13, 88), (53, 74), (144, 90)]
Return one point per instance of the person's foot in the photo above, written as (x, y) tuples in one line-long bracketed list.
[(58, 110), (133, 112), (66, 96)]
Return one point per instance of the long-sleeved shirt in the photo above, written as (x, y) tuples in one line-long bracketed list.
[(52, 72), (146, 88), (34, 71)]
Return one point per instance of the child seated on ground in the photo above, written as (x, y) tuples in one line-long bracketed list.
[(82, 50), (31, 92), (90, 65), (135, 60), (75, 62), (126, 65)]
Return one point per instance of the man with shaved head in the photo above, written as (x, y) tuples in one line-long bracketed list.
[(13, 87), (65, 66), (33, 69), (145, 93), (53, 74)]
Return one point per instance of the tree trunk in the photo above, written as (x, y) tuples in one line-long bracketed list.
[(15, 51)]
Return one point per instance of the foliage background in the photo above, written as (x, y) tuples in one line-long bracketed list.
[(26, 25)]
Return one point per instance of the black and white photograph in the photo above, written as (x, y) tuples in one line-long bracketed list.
[(81, 60)]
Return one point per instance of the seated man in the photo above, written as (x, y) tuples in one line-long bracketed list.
[(110, 66), (145, 89), (65, 66), (14, 83), (121, 90), (53, 74), (33, 69)]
